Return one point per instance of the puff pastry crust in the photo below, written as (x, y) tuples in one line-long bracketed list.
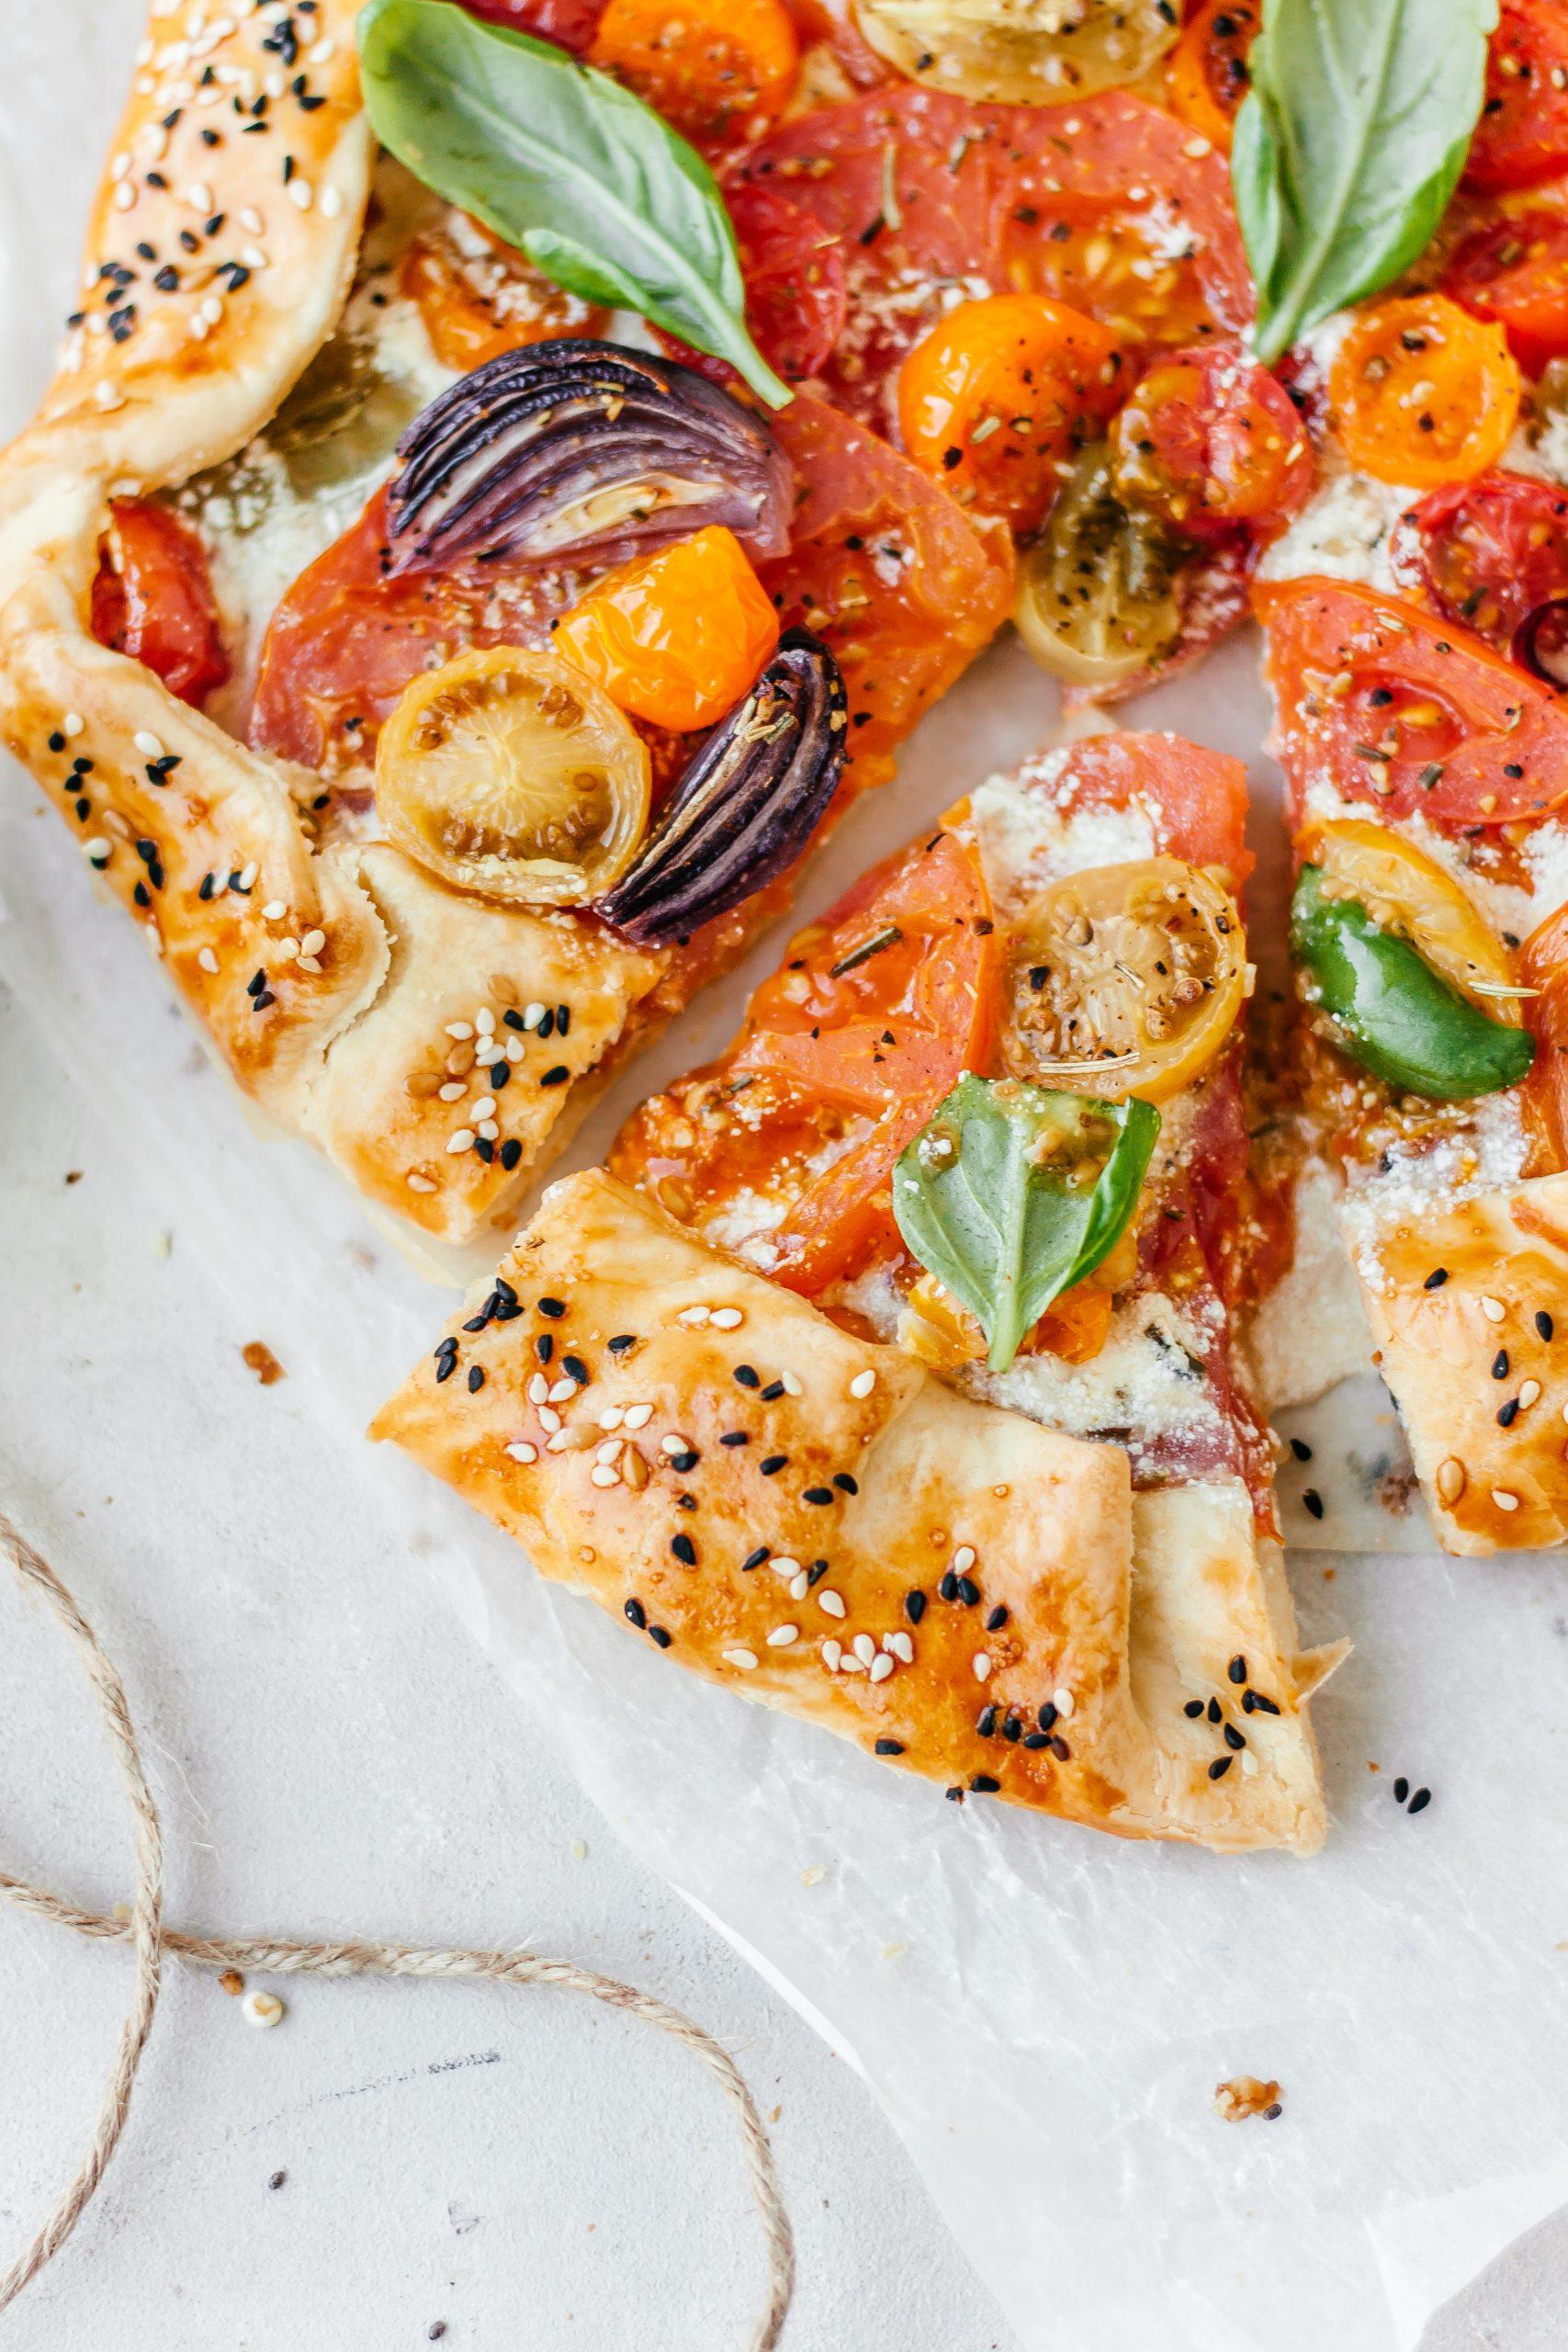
[(1470, 1311), (815, 1520)]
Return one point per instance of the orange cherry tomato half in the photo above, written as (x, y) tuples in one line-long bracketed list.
[(717, 70), (1421, 392), (675, 638), (1543, 966), (1207, 77), (1516, 274), (1209, 439), (152, 598), (479, 296), (788, 1142), (1492, 550), (1406, 714), (1001, 393), (1522, 135)]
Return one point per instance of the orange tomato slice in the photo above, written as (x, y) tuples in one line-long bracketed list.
[(1207, 77), (717, 69), (1000, 393), (478, 296), (677, 638), (1421, 392)]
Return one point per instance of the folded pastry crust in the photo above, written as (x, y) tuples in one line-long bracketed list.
[(1470, 1311), (815, 1520)]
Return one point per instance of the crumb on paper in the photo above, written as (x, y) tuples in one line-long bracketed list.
[(277, 2180), (73, 1175), (579, 1851), (813, 1875), (894, 1951), (1397, 1492), (231, 1981), (262, 2008), (1244, 2096), (162, 1245), (262, 1362)]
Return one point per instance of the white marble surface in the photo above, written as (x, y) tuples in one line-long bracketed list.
[(333, 1754)]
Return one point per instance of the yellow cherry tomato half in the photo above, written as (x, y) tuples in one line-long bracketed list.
[(938, 1330), (999, 398), (506, 773), (1020, 52), (1097, 596), (1420, 392), (1126, 979), (1405, 891), (677, 638), (718, 70)]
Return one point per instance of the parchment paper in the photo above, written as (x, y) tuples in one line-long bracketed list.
[(1043, 2013)]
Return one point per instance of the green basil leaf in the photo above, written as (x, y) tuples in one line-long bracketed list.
[(992, 1196), (564, 164), (1349, 146)]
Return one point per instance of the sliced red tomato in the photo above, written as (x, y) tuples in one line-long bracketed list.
[(795, 301), (1406, 713), (1491, 550), (787, 1144), (887, 570), (1515, 273), (1209, 439), (570, 24), (152, 598), (1197, 798), (933, 198), (1522, 135), (1543, 966)]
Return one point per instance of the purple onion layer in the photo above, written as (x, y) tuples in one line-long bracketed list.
[(572, 450), (1540, 643), (747, 804)]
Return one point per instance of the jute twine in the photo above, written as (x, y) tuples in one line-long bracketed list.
[(143, 1927)]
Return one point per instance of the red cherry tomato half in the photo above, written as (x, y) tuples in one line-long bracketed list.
[(570, 24), (152, 598), (1491, 550), (1207, 440), (1406, 714), (796, 299), (1522, 135), (1516, 274)]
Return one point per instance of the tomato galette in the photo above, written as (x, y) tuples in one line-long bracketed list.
[(891, 1371)]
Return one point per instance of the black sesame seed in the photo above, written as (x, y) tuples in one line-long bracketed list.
[(510, 1153), (477, 1322), (513, 1020), (1401, 1790), (557, 1077), (736, 1436), (1035, 1739), (845, 1484), (818, 1494), (1312, 1502), (684, 1462), (1220, 1767), (747, 1376), (685, 1551), (1058, 1747), (948, 1588), (1258, 1703), (1234, 1738), (889, 1747), (997, 1618), (476, 1378), (914, 1607), (985, 1722), (815, 1573), (1047, 1715), (1237, 1670), (983, 1784), (575, 1369), (1500, 1365), (552, 1307), (621, 1343), (1301, 1449), (1420, 1801), (547, 1027), (1508, 1414), (1195, 1706), (1214, 1711), (772, 1462), (1436, 1279), (57, 742), (484, 1150), (953, 1796), (657, 1633), (755, 1559), (445, 1367), (968, 1592), (501, 1075), (1012, 1729), (1543, 1323), (772, 1392), (638, 1614), (544, 1346)]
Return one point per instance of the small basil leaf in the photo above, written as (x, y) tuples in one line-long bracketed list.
[(986, 1198), (564, 164), (1349, 146)]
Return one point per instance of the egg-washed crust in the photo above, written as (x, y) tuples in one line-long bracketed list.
[(339, 983), (814, 1521), (1469, 1310)]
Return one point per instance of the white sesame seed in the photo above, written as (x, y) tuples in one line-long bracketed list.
[(1529, 1394), (286, 950), (693, 1317), (638, 1416), (490, 1131), (865, 1648), (515, 1049), (462, 1141), (982, 1665), (532, 1015), (562, 1391), (782, 1636), (799, 1586), (611, 1448), (881, 1667), (744, 1659), (558, 1439), (332, 202), (863, 1383), (124, 197), (549, 1419), (418, 1183), (538, 1389), (523, 1451), (200, 195), (212, 308), (602, 1476), (611, 1418), (301, 194), (832, 1652), (73, 723), (901, 1647), (461, 1030), (322, 52), (484, 1021), (248, 875), (453, 1090), (784, 1563), (107, 396), (273, 910), (727, 1318), (850, 1664), (207, 960), (484, 1108), (833, 1603), (313, 943), (1062, 1700), (1494, 1309), (99, 847), (674, 1444), (792, 1386), (1504, 1499), (147, 745), (964, 1559), (261, 2008), (252, 219)]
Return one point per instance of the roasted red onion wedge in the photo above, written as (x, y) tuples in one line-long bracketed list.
[(1540, 643), (572, 449), (747, 805)]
